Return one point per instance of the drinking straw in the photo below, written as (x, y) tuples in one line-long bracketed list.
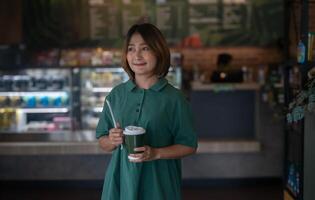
[(113, 118), (111, 113)]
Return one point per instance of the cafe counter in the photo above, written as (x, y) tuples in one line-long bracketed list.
[(85, 143), (226, 110), (76, 156)]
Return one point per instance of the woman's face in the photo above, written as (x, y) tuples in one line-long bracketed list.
[(140, 56)]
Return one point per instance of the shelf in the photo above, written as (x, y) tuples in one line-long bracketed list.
[(31, 93), (92, 108), (100, 68), (29, 135), (101, 89), (43, 110), (278, 85), (97, 109), (63, 67)]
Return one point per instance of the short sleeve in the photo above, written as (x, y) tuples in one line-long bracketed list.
[(104, 123), (184, 130)]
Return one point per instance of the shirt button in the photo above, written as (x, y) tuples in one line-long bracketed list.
[(137, 110), (138, 104)]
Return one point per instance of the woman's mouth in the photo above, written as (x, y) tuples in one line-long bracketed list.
[(139, 64)]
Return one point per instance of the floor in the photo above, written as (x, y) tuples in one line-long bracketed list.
[(266, 191)]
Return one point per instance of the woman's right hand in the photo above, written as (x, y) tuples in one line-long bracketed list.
[(116, 136)]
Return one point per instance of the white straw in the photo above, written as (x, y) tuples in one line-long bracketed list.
[(111, 113), (113, 118)]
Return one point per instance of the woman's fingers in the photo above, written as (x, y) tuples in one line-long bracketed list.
[(116, 136), (140, 149), (145, 154), (117, 140), (116, 130)]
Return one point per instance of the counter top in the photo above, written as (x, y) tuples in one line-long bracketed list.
[(84, 143), (196, 85), (52, 137)]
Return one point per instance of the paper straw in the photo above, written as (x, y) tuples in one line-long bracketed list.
[(111, 113), (113, 118)]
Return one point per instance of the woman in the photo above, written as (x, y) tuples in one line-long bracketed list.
[(149, 101)]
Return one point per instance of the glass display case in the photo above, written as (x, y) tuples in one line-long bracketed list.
[(35, 100), (64, 90), (96, 83)]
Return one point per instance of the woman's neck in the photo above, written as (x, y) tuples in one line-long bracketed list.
[(145, 82)]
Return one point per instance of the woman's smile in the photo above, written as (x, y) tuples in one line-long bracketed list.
[(139, 64)]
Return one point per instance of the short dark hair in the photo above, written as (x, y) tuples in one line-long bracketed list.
[(156, 41)]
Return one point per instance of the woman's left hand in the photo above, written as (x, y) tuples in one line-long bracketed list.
[(147, 154)]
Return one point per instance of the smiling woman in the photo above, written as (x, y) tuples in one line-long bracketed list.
[(154, 172)]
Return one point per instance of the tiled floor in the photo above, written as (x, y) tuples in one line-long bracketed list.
[(266, 191)]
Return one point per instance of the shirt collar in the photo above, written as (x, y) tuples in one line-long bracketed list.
[(158, 86), (130, 85)]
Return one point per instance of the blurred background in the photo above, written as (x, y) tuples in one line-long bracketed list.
[(245, 66)]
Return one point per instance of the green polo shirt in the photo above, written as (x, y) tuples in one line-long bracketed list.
[(165, 114)]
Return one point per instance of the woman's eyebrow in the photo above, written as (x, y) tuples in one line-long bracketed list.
[(142, 44)]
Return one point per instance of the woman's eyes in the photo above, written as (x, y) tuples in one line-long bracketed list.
[(145, 48)]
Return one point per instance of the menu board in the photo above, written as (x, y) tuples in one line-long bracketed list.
[(132, 12), (204, 19), (171, 18), (105, 24), (195, 23), (185, 23)]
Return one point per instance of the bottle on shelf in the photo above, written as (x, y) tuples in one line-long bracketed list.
[(245, 74), (300, 52), (7, 119), (196, 74), (261, 75), (295, 80)]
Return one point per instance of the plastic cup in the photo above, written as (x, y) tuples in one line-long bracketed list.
[(134, 137)]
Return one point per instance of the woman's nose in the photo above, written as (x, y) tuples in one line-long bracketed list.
[(138, 53)]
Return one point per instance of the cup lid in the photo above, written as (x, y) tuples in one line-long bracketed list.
[(134, 130)]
